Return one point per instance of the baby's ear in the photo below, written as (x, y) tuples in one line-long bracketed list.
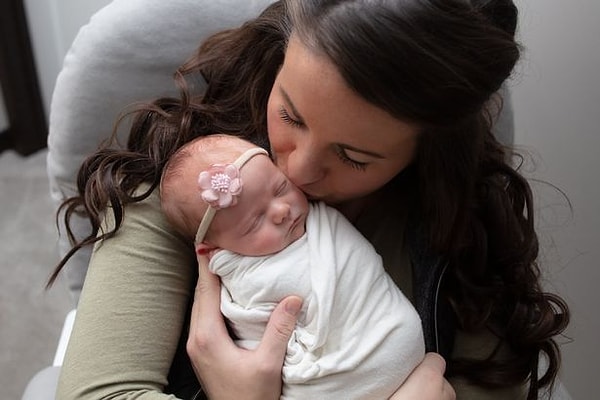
[(204, 249)]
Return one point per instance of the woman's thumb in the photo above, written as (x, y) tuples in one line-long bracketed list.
[(281, 325)]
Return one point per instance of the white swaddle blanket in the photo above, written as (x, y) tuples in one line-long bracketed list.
[(357, 335)]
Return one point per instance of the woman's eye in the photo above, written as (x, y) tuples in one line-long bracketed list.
[(287, 118), (360, 166)]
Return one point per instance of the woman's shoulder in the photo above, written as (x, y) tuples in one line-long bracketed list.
[(149, 207)]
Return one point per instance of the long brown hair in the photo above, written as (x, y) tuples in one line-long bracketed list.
[(437, 63)]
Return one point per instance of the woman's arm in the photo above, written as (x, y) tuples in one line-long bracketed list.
[(225, 370), (131, 312)]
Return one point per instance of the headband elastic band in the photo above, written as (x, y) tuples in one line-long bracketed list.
[(210, 211)]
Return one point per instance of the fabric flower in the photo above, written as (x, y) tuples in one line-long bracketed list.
[(220, 185)]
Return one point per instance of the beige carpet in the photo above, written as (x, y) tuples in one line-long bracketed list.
[(30, 317)]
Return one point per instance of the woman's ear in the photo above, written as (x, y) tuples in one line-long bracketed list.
[(204, 249)]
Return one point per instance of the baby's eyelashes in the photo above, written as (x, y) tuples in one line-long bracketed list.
[(281, 189)]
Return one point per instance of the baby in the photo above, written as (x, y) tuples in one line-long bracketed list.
[(357, 336)]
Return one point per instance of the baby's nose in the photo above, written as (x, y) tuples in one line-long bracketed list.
[(280, 212)]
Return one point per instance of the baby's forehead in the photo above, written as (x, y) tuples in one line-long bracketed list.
[(260, 164), (218, 150)]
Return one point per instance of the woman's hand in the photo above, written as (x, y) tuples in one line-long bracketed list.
[(225, 370), (426, 382)]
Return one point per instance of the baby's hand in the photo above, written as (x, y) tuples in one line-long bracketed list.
[(209, 252)]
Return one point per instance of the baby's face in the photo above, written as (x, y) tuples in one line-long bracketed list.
[(270, 213)]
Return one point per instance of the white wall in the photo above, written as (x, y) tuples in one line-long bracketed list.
[(556, 96), (53, 25)]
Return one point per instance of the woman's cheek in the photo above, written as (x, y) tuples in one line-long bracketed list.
[(273, 128), (279, 138)]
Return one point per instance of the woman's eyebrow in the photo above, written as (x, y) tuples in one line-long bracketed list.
[(297, 115)]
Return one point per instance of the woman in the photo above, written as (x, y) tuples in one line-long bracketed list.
[(379, 108)]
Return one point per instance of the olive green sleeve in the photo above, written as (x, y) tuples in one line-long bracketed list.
[(131, 312)]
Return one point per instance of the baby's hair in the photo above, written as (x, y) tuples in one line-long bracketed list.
[(202, 152)]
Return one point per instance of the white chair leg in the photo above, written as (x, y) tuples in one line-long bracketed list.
[(64, 338)]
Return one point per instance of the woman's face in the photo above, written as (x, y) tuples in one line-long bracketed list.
[(329, 141)]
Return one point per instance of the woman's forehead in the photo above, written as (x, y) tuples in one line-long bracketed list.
[(311, 84)]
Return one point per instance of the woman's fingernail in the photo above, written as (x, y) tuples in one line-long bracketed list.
[(293, 306)]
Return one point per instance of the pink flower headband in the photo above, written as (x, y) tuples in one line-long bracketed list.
[(220, 185)]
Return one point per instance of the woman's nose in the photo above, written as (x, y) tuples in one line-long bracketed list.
[(304, 168)]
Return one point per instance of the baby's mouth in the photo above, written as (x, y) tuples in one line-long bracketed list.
[(295, 223)]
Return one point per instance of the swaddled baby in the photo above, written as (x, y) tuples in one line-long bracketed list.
[(357, 335)]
